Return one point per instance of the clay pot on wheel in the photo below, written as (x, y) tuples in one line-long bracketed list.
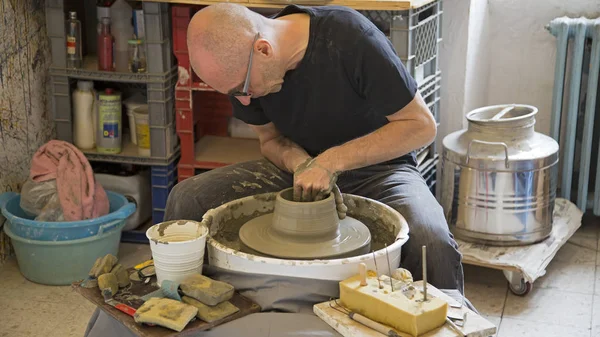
[(305, 221), (305, 230)]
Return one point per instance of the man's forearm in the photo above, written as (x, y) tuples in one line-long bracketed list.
[(391, 141), (284, 153)]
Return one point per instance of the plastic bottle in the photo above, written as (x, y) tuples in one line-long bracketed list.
[(109, 130), (121, 15), (102, 11), (84, 99), (105, 47), (74, 51), (137, 56)]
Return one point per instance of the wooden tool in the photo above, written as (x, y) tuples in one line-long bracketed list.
[(362, 270), (389, 267), (386, 330)]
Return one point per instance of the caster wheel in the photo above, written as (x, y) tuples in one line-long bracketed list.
[(521, 289), (517, 283)]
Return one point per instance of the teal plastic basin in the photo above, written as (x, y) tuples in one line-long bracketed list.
[(24, 226), (63, 262)]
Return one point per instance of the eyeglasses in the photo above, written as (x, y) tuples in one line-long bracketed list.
[(244, 92)]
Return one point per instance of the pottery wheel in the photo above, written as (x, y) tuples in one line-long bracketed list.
[(353, 238)]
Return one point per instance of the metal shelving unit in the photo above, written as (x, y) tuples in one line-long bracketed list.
[(89, 71), (157, 84)]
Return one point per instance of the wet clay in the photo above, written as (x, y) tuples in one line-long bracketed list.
[(305, 230), (163, 226)]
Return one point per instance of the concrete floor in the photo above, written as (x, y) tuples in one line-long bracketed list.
[(564, 302)]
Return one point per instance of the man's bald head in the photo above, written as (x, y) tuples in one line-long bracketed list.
[(219, 39)]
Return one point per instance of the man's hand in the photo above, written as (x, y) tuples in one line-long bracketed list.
[(313, 182)]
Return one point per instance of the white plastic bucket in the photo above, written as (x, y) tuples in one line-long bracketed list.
[(132, 134), (131, 103), (142, 130), (177, 249)]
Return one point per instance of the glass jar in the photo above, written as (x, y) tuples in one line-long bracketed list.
[(137, 56)]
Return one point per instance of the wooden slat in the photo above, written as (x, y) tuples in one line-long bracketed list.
[(356, 4), (475, 326), (131, 296), (213, 151)]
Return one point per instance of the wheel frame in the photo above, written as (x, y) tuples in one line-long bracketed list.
[(517, 283)]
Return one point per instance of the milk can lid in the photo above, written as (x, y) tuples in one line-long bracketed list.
[(503, 113)]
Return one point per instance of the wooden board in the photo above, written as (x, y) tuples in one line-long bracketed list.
[(356, 4), (131, 296), (476, 326), (215, 151)]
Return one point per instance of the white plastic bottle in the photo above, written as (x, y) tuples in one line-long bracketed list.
[(121, 26), (84, 110)]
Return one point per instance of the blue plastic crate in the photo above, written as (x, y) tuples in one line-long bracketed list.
[(160, 195), (164, 169), (158, 215), (163, 179)]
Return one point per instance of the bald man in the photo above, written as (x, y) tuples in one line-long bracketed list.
[(333, 107)]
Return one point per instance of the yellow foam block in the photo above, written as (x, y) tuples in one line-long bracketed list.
[(395, 309)]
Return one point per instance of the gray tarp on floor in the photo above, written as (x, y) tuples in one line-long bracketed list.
[(286, 303)]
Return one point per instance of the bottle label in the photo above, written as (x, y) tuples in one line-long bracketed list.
[(71, 44), (110, 130), (109, 111)]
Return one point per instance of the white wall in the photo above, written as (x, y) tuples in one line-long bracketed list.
[(478, 60), (523, 52), (453, 63), (500, 54)]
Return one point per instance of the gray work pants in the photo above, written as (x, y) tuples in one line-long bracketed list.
[(399, 186)]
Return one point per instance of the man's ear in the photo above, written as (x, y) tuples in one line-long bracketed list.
[(264, 48)]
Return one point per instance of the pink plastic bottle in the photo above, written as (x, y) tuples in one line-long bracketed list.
[(106, 47)]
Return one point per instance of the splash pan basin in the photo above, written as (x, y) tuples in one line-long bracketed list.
[(388, 232)]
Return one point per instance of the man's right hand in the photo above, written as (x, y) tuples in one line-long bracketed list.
[(290, 157)]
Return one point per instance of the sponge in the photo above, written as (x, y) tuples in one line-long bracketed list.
[(206, 290), (108, 282), (103, 265), (210, 314), (165, 312), (121, 274)]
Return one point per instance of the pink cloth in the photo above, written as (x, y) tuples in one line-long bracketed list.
[(80, 196)]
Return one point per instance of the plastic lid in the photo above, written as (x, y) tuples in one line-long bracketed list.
[(135, 100), (141, 110), (85, 85), (134, 41)]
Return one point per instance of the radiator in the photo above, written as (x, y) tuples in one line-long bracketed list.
[(574, 108)]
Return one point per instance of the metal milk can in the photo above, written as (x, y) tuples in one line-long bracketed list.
[(499, 177)]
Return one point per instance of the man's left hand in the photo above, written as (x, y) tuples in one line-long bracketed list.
[(313, 181)]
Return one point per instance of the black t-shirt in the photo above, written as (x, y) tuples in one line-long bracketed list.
[(349, 79)]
